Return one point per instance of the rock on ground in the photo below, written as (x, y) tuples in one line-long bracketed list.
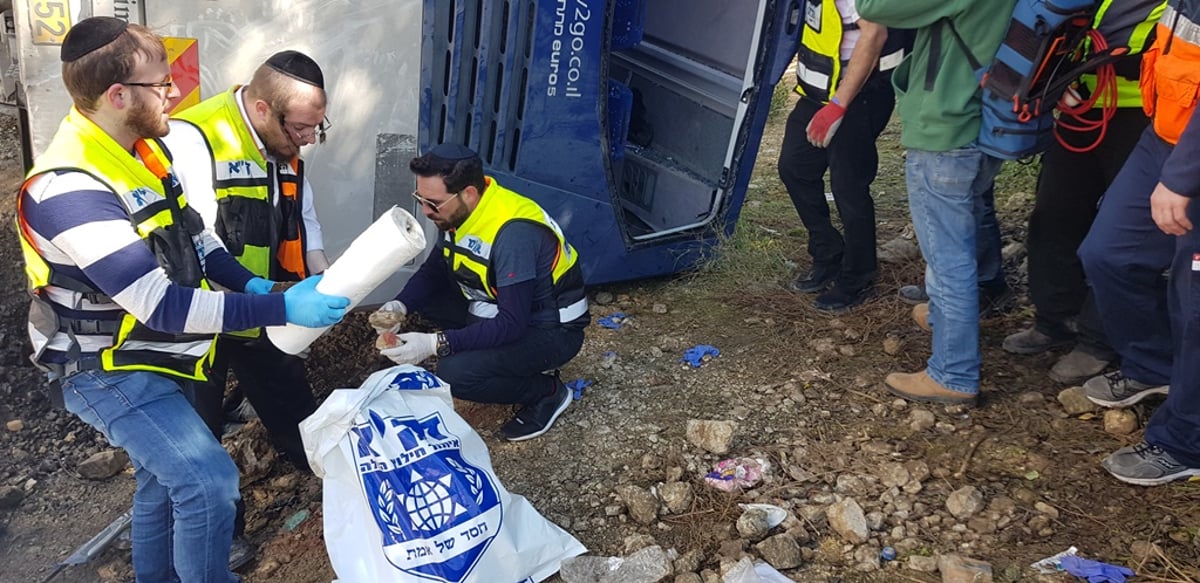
[(965, 502), (649, 565), (642, 505), (104, 465), (780, 551), (847, 519), (956, 569), (711, 436)]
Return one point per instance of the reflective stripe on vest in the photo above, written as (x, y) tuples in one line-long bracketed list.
[(269, 245), (1171, 71), (468, 250), (818, 60), (1127, 24), (159, 213)]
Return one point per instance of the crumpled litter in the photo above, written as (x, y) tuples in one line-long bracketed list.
[(576, 387), (775, 514), (730, 475), (699, 354), (1095, 571), (1053, 564), (747, 571), (613, 321)]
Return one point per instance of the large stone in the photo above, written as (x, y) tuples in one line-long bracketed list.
[(753, 524), (649, 565), (898, 250), (893, 474), (956, 569), (1074, 400), (642, 505), (15, 425), (847, 519), (965, 502), (104, 465), (922, 563), (921, 419), (1120, 421), (780, 551), (688, 578), (711, 436), (677, 496), (10, 496)]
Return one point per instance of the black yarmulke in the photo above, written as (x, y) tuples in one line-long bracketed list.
[(299, 66), (452, 152), (90, 34)]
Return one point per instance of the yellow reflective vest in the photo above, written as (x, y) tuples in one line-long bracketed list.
[(269, 245), (818, 61), (1140, 35), (467, 250), (158, 211)]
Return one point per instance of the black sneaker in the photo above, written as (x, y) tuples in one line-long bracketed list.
[(817, 280), (1034, 341), (1146, 465), (536, 419), (838, 300)]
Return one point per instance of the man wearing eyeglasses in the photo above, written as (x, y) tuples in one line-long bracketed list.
[(237, 155), (120, 269), (504, 284)]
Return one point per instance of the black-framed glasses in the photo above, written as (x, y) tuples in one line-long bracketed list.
[(168, 84), (318, 131), (432, 205)]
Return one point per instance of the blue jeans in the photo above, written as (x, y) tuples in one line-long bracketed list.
[(187, 485), (948, 198)]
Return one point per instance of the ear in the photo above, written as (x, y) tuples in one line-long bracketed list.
[(262, 108), (117, 96)]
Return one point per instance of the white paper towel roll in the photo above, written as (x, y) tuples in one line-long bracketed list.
[(390, 242)]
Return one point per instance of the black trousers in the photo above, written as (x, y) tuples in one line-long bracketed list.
[(1068, 194), (852, 161), (507, 374)]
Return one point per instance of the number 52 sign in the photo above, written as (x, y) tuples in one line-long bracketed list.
[(49, 20)]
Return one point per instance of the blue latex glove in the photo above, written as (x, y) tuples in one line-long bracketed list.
[(577, 386), (1095, 571), (695, 355), (259, 286), (613, 321), (305, 306)]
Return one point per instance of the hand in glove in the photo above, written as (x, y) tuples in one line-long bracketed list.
[(414, 347), (1095, 571), (825, 123), (389, 317), (305, 306), (259, 286)]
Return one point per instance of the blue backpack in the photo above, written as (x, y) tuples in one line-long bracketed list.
[(1043, 52)]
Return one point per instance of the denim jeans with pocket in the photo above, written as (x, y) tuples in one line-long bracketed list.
[(947, 196), (187, 484)]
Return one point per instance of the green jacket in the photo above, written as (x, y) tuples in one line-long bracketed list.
[(948, 116)]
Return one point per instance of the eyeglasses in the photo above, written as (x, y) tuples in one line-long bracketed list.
[(435, 207), (168, 84), (317, 131)]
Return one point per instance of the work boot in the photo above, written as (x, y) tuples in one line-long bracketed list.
[(839, 300), (919, 386), (1034, 341), (817, 279), (920, 314), (536, 419), (1116, 390), (1077, 366)]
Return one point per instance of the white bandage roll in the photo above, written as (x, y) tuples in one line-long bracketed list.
[(390, 242)]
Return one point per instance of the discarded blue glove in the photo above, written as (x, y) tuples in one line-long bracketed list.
[(577, 386), (1095, 571), (695, 355), (613, 321), (305, 306)]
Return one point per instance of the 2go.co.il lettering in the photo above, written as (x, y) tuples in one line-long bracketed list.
[(567, 47)]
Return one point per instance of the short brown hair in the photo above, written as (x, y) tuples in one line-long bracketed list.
[(88, 77), (281, 91)]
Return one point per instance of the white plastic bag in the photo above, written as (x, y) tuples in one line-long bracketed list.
[(410, 494)]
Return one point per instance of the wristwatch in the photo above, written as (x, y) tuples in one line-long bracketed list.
[(443, 345)]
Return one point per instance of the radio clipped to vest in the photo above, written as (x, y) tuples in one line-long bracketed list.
[(1048, 46)]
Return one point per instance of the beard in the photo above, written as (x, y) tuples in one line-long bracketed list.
[(279, 145), (147, 120), (455, 220)]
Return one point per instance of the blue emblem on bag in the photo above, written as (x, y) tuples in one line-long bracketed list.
[(418, 380), (437, 512)]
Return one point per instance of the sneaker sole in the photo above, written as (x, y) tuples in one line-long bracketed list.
[(1029, 351), (970, 401), (549, 424), (911, 301), (1190, 475), (1132, 399)]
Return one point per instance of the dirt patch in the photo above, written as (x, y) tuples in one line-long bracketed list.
[(803, 388)]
